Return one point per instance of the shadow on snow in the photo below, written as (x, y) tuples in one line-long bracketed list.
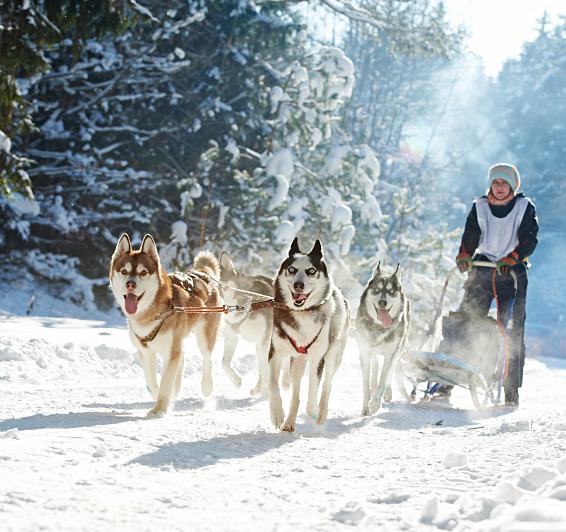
[(412, 416), (183, 405), (72, 420), (205, 453)]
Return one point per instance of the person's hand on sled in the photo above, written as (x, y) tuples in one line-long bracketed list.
[(464, 261), (507, 262)]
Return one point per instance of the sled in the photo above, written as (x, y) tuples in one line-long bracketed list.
[(472, 355)]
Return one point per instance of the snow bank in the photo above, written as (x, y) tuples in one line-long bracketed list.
[(39, 360)]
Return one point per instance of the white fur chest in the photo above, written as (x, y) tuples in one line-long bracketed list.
[(311, 330)]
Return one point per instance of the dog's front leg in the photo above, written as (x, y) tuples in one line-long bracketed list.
[(297, 371), (330, 367), (170, 370), (275, 404), (261, 351), (205, 333), (365, 365), (315, 374), (179, 376), (286, 374), (375, 402), (230, 344), (148, 362)]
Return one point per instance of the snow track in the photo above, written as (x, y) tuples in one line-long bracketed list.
[(77, 453)]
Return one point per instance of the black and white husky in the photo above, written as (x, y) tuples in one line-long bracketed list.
[(310, 325), (382, 325)]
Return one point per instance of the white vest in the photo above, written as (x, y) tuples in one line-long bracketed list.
[(499, 236)]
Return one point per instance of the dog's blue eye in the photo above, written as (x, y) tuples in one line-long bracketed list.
[(292, 270), (311, 271)]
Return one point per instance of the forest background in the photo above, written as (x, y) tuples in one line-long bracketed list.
[(235, 125)]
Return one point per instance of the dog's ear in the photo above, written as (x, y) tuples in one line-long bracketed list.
[(148, 246), (316, 251), (377, 271), (123, 246), (294, 249), (226, 264), (225, 261), (396, 272)]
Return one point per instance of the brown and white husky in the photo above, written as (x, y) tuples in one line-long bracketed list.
[(148, 296)]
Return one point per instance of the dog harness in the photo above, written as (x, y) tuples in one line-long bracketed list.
[(302, 349)]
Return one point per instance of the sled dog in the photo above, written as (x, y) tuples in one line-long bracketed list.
[(148, 295), (310, 325), (382, 325), (255, 327)]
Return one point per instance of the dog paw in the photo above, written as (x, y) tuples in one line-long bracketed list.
[(388, 395), (235, 378), (322, 415), (365, 411), (312, 412), (373, 406), (277, 416), (206, 387), (259, 390), (288, 426), (156, 411)]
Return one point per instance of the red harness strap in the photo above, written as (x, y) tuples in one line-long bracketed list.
[(302, 349)]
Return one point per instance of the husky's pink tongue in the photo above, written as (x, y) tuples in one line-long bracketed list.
[(384, 317), (299, 298), (131, 303)]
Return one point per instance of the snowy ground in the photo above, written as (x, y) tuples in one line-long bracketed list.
[(77, 453)]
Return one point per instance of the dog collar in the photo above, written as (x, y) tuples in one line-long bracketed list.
[(302, 349), (144, 340)]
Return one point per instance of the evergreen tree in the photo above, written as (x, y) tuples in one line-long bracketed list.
[(530, 104), (26, 29)]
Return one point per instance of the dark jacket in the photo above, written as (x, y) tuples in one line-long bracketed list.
[(528, 230)]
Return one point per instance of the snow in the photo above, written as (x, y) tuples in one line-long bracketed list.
[(280, 163), (22, 205), (454, 459), (76, 451), (285, 232), (334, 160), (279, 193), (5, 142), (347, 234), (369, 162), (341, 215)]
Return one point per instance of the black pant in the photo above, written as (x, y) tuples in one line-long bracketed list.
[(477, 300)]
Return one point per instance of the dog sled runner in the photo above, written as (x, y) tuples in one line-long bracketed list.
[(473, 354)]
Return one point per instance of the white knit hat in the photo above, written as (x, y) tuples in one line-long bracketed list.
[(507, 172)]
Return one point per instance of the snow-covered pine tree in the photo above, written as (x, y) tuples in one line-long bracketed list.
[(400, 64), (124, 125), (26, 30)]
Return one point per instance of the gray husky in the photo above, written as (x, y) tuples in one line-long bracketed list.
[(310, 325), (254, 327), (382, 326)]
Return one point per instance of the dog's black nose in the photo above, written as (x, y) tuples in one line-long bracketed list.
[(382, 303), (299, 286), (131, 285)]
